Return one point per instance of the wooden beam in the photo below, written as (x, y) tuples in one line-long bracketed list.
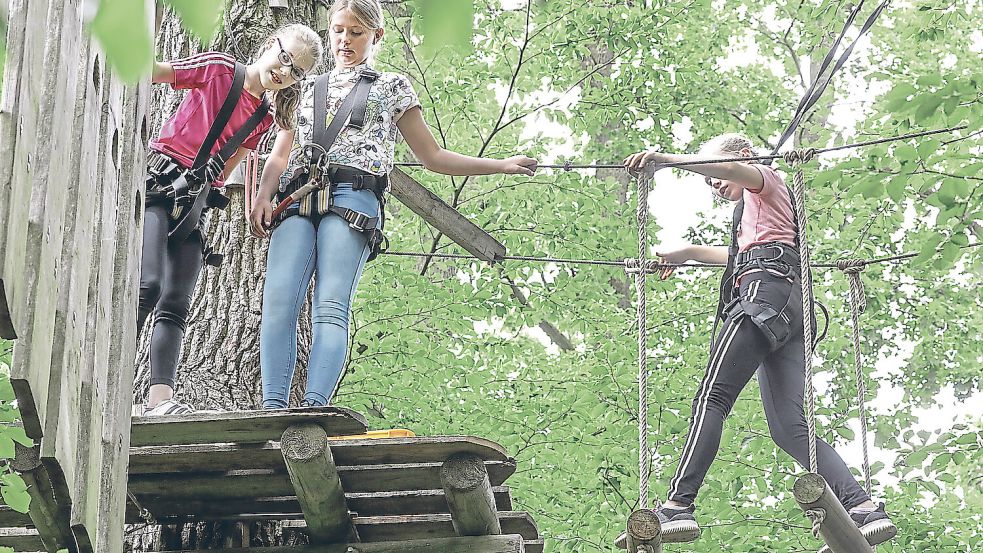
[(48, 513), (315, 479), (444, 218), (644, 531), (479, 544), (837, 528), (469, 496)]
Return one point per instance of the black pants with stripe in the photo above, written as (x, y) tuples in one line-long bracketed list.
[(740, 349), (168, 275)]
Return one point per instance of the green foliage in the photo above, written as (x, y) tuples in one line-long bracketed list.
[(444, 23), (12, 486), (453, 351), (129, 46)]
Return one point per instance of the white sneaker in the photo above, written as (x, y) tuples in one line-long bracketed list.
[(169, 407)]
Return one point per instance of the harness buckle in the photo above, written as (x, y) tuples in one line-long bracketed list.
[(357, 220)]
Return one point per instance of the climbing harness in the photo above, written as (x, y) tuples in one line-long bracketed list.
[(309, 190), (184, 190)]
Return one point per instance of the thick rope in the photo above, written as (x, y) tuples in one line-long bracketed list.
[(858, 304), (817, 516), (795, 159), (641, 215)]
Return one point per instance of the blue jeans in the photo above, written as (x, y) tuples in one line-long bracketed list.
[(335, 255)]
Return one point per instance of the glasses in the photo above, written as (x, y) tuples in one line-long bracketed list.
[(286, 60)]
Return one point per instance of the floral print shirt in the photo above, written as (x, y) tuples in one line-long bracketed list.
[(373, 147)]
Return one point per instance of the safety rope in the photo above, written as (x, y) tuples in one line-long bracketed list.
[(858, 304), (642, 180), (795, 159), (144, 513), (570, 166)]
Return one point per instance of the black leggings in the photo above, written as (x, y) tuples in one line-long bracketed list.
[(168, 275), (741, 349)]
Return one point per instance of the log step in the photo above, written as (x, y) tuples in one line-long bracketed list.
[(484, 544)]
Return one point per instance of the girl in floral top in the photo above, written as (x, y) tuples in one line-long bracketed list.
[(327, 246)]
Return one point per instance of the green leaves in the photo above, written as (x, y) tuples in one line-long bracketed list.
[(123, 29), (446, 23), (200, 17)]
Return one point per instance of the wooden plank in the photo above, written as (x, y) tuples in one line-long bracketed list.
[(240, 426), (210, 457), (412, 527), (535, 546), (469, 496), (444, 218), (26, 267), (101, 169), (316, 483), (48, 512), (59, 449), (10, 518), (115, 435), (18, 111), (365, 504), (21, 539), (234, 483), (837, 529), (484, 544)]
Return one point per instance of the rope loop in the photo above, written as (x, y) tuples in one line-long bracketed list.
[(851, 266), (796, 157), (817, 516)]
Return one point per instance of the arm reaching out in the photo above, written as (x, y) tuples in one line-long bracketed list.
[(700, 254)]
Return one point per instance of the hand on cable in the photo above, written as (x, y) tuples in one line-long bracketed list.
[(519, 165), (677, 256), (259, 217), (645, 161)]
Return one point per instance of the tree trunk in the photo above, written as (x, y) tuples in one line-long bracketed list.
[(219, 366)]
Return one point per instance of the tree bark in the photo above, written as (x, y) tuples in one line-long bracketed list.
[(219, 367)]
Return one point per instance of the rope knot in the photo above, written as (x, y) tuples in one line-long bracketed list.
[(800, 156), (567, 165), (851, 266), (817, 516)]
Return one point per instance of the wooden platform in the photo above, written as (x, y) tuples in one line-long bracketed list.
[(230, 466)]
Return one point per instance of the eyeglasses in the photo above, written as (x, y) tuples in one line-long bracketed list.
[(286, 60)]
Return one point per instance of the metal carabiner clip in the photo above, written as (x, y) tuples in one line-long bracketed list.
[(317, 170)]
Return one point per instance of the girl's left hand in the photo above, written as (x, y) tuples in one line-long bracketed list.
[(637, 162), (519, 165)]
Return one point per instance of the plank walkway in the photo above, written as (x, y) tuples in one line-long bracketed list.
[(230, 467)]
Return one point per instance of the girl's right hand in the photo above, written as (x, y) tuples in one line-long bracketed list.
[(519, 165), (259, 218), (677, 256)]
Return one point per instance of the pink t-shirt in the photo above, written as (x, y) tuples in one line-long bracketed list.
[(208, 76), (767, 213)]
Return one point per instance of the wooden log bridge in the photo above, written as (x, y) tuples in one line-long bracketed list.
[(309, 469), (824, 510)]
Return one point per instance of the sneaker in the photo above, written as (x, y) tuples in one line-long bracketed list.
[(875, 526), (169, 407), (678, 526)]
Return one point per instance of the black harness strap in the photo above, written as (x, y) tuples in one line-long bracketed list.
[(207, 169), (351, 111)]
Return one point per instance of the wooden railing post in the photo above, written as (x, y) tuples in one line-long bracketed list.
[(469, 496), (315, 479)]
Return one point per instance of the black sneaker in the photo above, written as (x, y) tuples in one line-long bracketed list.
[(678, 526), (875, 526)]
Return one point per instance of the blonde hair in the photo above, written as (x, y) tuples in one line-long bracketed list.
[(729, 143), (286, 100), (367, 12)]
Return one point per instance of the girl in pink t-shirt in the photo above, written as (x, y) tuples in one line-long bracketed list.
[(171, 264), (762, 332)]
